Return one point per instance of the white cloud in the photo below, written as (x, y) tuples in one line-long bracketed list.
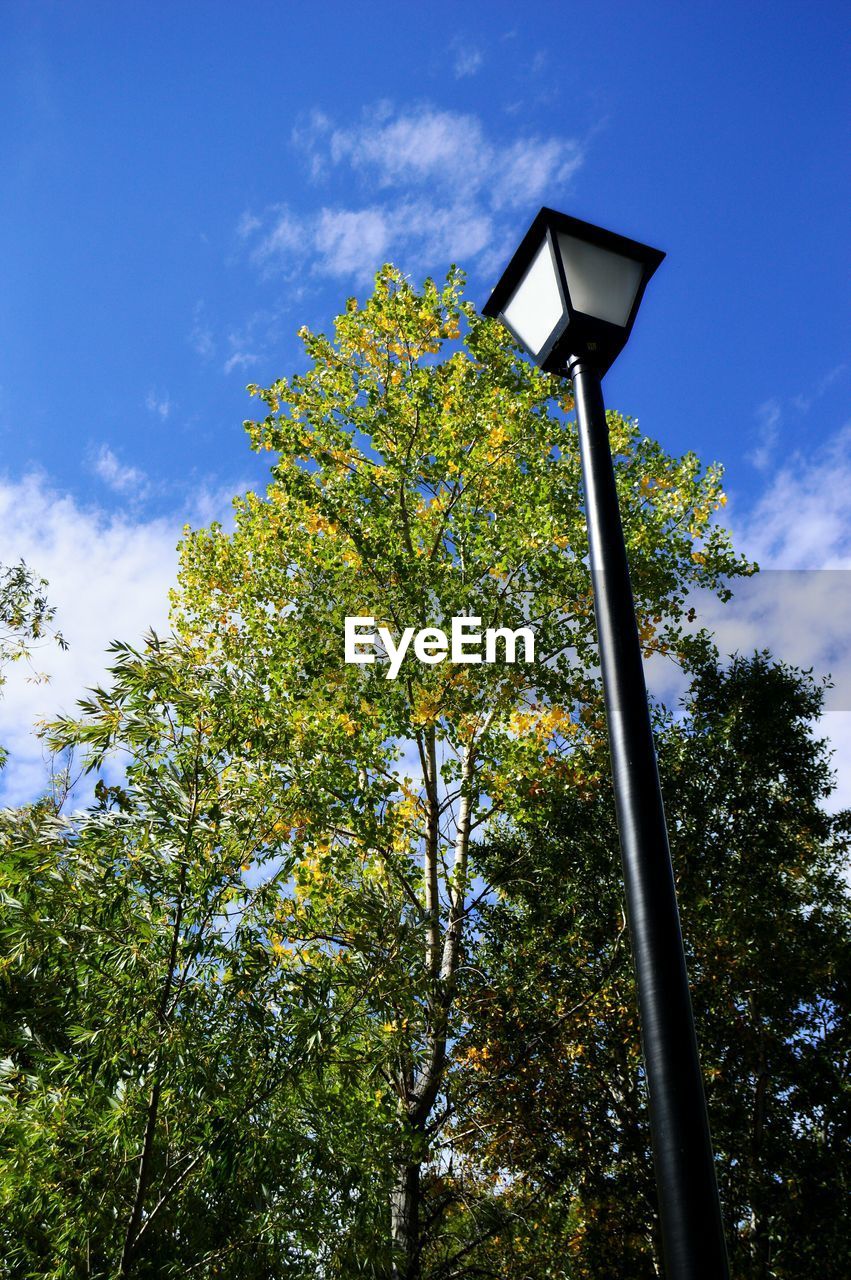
[(802, 616), (259, 332), (246, 225), (451, 150), (803, 519), (345, 239), (129, 481), (525, 172), (768, 429), (775, 413), (201, 337), (455, 232), (307, 136), (158, 404), (428, 145), (281, 233), (468, 59), (240, 360), (108, 577), (803, 403), (354, 243), (799, 605), (413, 163)]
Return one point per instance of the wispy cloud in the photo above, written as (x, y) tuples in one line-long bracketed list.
[(240, 360), (279, 232), (443, 149), (774, 413), (768, 417), (803, 403), (246, 225), (413, 163), (260, 331), (201, 338), (413, 148), (309, 136), (344, 238), (803, 518), (159, 404), (126, 480), (467, 58)]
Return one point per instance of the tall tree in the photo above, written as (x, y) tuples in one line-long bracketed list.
[(158, 1041), (415, 489), (549, 1076)]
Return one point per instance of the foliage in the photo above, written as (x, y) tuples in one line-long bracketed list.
[(414, 490), (25, 619), (25, 613), (156, 1118), (260, 1001), (554, 1096)]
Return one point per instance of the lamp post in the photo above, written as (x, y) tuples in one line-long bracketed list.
[(569, 296)]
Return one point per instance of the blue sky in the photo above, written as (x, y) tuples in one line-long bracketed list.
[(184, 185)]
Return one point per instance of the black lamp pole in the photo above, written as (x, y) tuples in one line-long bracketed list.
[(569, 296), (689, 1209)]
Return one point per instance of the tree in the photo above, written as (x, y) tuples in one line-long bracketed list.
[(155, 1113), (415, 490), (25, 618), (270, 930), (550, 1078)]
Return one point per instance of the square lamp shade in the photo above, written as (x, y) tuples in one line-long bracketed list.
[(572, 289)]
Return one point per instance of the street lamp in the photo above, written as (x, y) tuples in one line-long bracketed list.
[(569, 296)]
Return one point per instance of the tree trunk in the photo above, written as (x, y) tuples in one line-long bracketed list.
[(142, 1179), (760, 1242), (418, 1093), (405, 1223)]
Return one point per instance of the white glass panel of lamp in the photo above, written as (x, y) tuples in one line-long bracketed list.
[(600, 283), (536, 306)]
